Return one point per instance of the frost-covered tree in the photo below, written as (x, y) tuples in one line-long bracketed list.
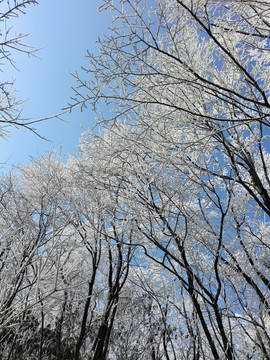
[(152, 242), (33, 258), (185, 152), (12, 41), (64, 262)]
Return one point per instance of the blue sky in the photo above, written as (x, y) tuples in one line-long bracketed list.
[(64, 29)]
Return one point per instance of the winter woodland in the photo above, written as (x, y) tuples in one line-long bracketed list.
[(153, 241)]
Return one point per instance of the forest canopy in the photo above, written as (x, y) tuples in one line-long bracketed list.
[(153, 241)]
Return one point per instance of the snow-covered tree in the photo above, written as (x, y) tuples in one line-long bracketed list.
[(12, 41), (185, 151), (153, 241), (64, 262)]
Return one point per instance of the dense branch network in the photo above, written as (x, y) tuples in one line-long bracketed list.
[(153, 241)]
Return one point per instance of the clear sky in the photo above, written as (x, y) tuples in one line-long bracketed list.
[(64, 29)]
